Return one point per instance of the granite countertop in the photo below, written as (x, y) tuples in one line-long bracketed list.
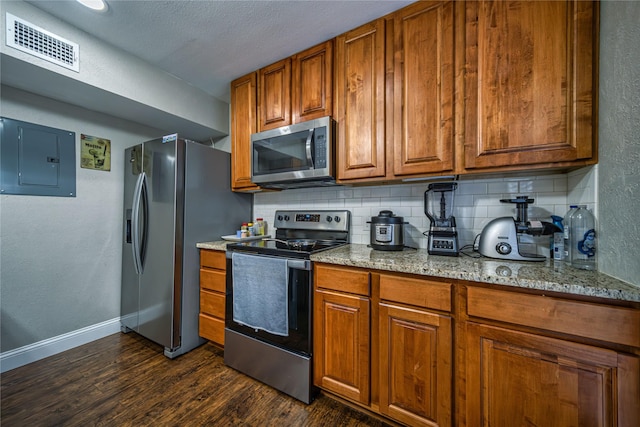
[(218, 245), (546, 276)]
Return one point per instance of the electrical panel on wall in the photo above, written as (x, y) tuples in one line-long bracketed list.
[(36, 160)]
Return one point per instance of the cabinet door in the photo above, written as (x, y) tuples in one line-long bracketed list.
[(516, 378), (423, 91), (243, 124), (530, 80), (359, 104), (341, 345), (312, 83), (415, 366), (274, 103)]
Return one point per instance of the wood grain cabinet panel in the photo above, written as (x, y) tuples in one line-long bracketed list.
[(274, 102), (341, 344), (244, 122), (530, 85), (516, 378), (212, 295), (343, 279), (587, 320), (213, 259), (212, 303), (211, 328), (418, 291), (423, 88), (360, 102), (312, 83), (213, 280), (415, 366)]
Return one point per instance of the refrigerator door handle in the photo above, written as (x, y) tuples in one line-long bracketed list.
[(135, 225), (145, 221)]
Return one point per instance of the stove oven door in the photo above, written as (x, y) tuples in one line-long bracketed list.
[(299, 304)]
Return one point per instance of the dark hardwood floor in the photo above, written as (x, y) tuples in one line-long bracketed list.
[(125, 380)]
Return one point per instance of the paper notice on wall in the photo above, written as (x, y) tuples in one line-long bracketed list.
[(95, 153)]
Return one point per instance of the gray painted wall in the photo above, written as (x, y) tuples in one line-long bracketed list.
[(619, 136), (60, 257)]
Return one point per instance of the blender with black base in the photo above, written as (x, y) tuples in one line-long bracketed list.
[(438, 206)]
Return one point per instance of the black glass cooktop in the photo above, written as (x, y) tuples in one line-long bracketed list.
[(271, 247)]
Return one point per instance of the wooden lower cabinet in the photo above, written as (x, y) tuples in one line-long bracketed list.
[(212, 295), (519, 372), (426, 351), (415, 366), (516, 378), (377, 343), (341, 361)]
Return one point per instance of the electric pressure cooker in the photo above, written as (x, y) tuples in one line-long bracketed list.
[(387, 232)]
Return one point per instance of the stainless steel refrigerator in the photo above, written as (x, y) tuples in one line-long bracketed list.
[(176, 193)]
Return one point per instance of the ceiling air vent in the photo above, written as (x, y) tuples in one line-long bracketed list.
[(35, 41)]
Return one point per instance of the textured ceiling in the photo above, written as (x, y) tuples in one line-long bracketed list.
[(208, 43)]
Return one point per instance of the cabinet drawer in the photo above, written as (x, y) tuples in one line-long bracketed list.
[(606, 323), (415, 291), (212, 303), (342, 279), (213, 259), (211, 328), (213, 279)]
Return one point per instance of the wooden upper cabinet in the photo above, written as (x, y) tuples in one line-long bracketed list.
[(297, 89), (243, 124), (423, 88), (360, 102), (530, 82), (274, 102), (312, 83)]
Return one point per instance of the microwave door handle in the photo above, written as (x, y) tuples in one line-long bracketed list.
[(308, 149)]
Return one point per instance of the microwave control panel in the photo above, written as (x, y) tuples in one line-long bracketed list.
[(320, 141)]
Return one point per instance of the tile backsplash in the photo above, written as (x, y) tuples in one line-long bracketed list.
[(477, 201)]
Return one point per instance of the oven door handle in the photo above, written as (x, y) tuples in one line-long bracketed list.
[(297, 264)]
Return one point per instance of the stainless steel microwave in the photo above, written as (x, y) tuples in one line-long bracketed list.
[(295, 156)]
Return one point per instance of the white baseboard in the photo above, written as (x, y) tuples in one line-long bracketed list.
[(30, 353)]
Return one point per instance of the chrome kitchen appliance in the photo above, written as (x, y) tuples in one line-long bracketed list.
[(438, 206), (176, 193), (500, 238), (387, 232), (269, 287), (296, 156)]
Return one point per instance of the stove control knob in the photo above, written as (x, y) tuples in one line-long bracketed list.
[(329, 219), (337, 219), (280, 218), (286, 217), (503, 248)]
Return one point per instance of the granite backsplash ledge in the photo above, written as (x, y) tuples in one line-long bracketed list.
[(545, 276)]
